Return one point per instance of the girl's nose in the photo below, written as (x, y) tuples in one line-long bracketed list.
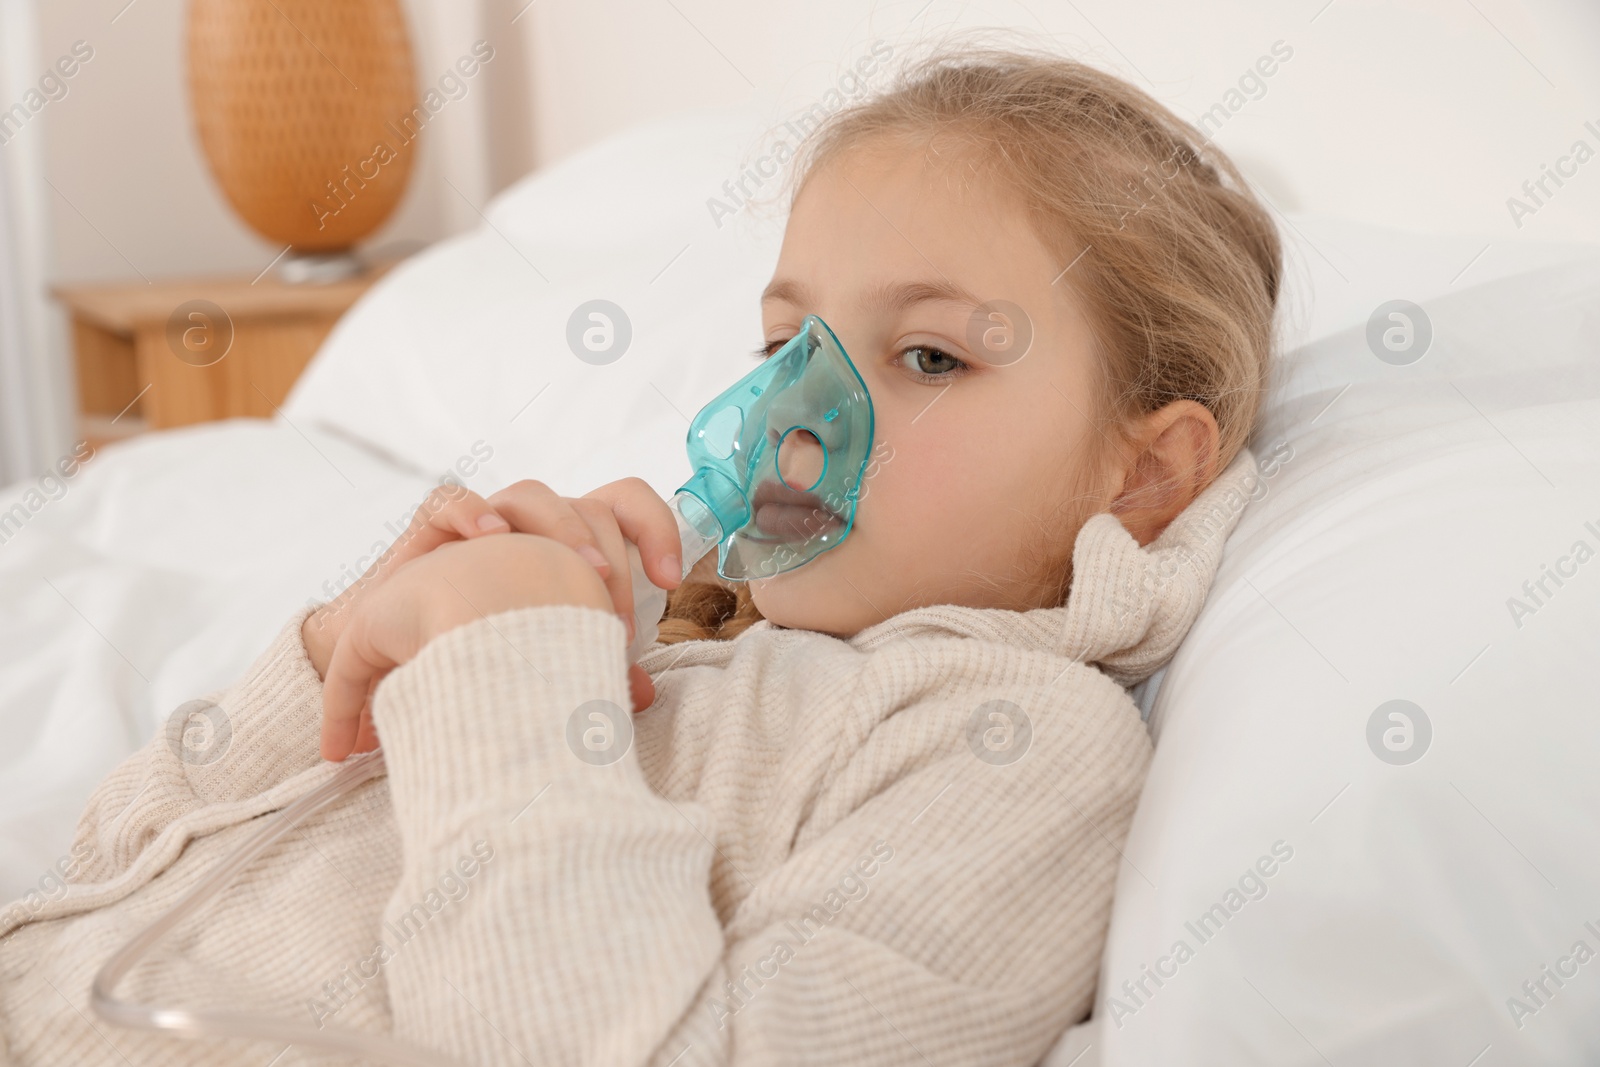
[(800, 458)]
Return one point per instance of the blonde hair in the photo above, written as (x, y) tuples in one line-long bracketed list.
[(1176, 261)]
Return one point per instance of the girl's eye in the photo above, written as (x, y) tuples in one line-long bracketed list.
[(929, 363), (925, 362)]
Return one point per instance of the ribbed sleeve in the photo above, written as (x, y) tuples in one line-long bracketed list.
[(588, 925)]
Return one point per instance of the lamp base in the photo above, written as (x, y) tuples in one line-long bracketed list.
[(318, 268)]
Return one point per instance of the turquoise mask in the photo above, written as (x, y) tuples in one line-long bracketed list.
[(779, 458)]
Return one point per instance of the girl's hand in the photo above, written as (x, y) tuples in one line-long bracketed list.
[(449, 586), (594, 526), (449, 513), (598, 526)]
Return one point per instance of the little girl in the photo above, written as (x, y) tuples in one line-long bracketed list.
[(867, 811)]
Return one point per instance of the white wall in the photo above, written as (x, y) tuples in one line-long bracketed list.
[(1424, 114)]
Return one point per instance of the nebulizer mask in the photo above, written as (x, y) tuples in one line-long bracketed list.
[(778, 461), (778, 458)]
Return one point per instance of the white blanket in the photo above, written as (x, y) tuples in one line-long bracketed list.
[(165, 566)]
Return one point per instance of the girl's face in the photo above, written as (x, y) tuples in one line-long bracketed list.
[(980, 472)]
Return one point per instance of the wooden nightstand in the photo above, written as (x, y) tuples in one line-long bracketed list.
[(173, 353)]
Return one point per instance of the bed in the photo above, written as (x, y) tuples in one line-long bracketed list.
[(1412, 496)]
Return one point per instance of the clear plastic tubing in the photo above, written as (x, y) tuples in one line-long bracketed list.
[(208, 1023), (698, 531)]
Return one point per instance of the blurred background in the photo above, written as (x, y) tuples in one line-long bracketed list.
[(1425, 115)]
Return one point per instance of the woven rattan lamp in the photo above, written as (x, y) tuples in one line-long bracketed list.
[(302, 108)]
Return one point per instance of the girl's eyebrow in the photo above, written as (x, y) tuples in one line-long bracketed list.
[(890, 296)]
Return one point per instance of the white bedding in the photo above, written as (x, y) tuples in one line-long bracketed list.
[(166, 566)]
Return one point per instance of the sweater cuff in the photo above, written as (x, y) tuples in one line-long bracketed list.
[(258, 732), (493, 711)]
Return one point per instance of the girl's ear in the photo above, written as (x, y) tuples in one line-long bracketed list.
[(1174, 457)]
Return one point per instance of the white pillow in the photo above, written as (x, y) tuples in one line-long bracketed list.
[(1397, 909), (468, 341)]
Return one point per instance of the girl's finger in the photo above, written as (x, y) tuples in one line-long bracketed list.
[(457, 510), (646, 520), (355, 668), (449, 513), (641, 688), (366, 733), (534, 508), (619, 574)]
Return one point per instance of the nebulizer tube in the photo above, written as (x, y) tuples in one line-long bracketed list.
[(743, 499), (698, 533), (210, 1023)]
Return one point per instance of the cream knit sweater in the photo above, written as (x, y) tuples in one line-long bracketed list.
[(898, 848)]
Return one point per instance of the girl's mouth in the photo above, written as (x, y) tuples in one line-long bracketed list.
[(785, 514), (794, 522)]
